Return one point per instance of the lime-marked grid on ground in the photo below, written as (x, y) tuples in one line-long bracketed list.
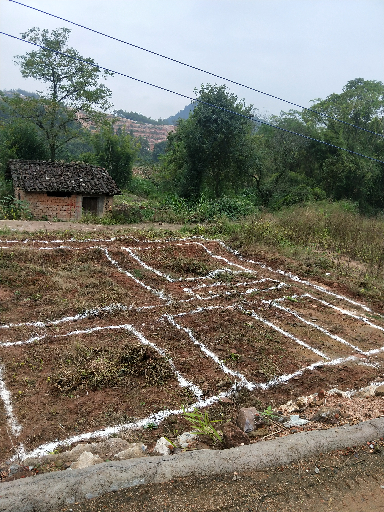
[(187, 282)]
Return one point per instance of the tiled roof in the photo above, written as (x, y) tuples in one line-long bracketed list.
[(75, 177)]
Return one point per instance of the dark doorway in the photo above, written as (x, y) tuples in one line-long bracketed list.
[(90, 205)]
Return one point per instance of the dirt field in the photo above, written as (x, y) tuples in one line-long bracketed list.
[(114, 336)]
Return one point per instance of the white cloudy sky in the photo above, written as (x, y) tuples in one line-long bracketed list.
[(298, 50)]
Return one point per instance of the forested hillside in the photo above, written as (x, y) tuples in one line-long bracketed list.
[(220, 152)]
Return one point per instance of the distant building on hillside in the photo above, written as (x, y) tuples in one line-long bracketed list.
[(62, 191)]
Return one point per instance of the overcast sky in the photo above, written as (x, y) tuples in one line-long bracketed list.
[(298, 50)]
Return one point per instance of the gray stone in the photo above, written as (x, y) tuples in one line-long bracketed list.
[(110, 447), (327, 415), (295, 421), (186, 439), (133, 450), (85, 460), (163, 447), (379, 391), (13, 469)]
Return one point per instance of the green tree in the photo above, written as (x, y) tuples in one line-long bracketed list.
[(344, 175), (73, 94), (211, 152), (116, 152)]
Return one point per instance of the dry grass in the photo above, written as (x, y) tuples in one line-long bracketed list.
[(320, 240)]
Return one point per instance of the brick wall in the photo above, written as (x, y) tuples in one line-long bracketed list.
[(43, 206)]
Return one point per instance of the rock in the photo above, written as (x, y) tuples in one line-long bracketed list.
[(163, 447), (134, 450), (379, 391), (249, 419), (32, 461), (295, 421), (327, 415), (282, 419), (75, 453), (109, 447), (321, 394), (366, 392), (261, 432), (85, 460), (186, 439), (15, 468), (234, 436)]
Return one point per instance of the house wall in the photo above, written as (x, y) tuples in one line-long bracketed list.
[(59, 208)]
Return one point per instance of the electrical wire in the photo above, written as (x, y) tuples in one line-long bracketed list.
[(199, 69), (192, 99)]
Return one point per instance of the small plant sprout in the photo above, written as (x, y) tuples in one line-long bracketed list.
[(201, 424), (268, 413), (170, 442), (151, 426)]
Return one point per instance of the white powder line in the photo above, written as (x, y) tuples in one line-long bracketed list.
[(245, 283), (89, 313), (128, 327), (58, 241), (160, 294), (287, 377), (253, 314), (157, 272), (210, 354), (160, 416), (312, 324), (155, 418), (344, 311), (6, 397)]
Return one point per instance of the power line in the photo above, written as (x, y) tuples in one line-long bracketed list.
[(199, 69), (193, 99)]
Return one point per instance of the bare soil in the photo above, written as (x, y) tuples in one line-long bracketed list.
[(31, 226), (119, 334)]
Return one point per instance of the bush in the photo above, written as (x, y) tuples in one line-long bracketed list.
[(14, 209)]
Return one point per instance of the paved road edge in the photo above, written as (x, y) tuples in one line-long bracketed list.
[(49, 491)]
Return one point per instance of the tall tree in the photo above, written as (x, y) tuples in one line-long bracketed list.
[(212, 152), (73, 93), (116, 152), (344, 175)]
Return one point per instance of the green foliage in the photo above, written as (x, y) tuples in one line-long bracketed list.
[(73, 89), (201, 424), (13, 209), (20, 139), (269, 413), (211, 152), (207, 210), (116, 152)]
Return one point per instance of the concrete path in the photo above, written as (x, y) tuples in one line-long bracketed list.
[(49, 491)]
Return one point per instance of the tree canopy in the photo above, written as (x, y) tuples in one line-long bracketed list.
[(212, 152), (73, 89)]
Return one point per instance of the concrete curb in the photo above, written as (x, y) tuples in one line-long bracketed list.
[(47, 492)]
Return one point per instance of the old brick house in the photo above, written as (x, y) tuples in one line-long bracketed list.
[(62, 191)]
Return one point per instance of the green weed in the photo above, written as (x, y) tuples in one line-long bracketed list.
[(201, 424)]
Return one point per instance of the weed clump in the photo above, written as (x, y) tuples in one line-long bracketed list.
[(92, 368)]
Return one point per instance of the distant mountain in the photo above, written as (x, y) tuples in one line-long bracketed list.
[(140, 118), (12, 92), (135, 116), (182, 114)]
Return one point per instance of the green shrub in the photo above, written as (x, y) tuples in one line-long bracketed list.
[(14, 209)]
